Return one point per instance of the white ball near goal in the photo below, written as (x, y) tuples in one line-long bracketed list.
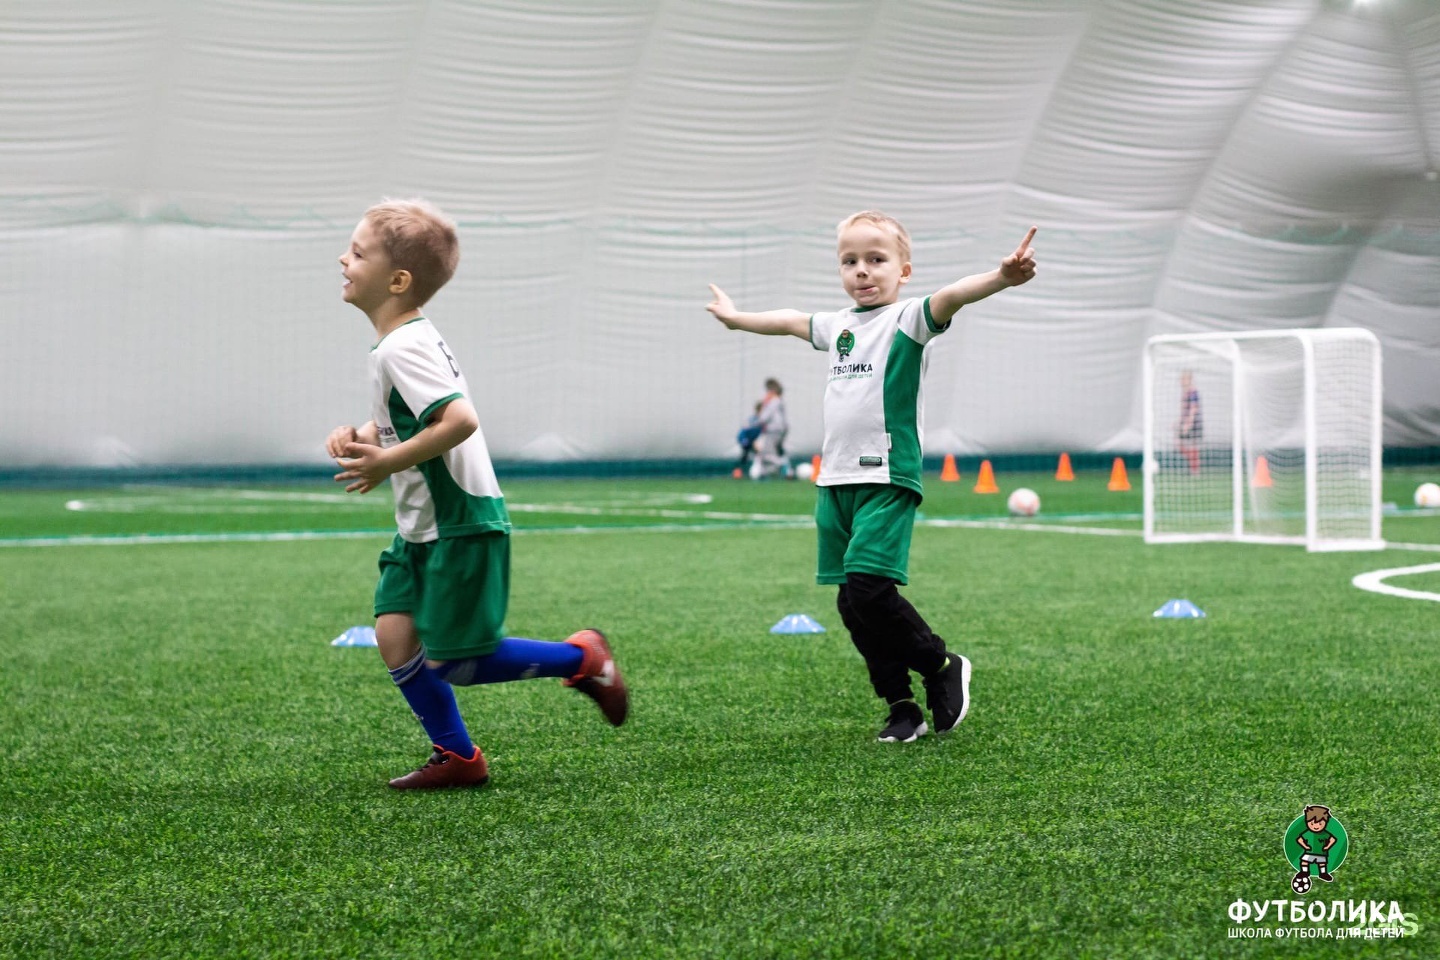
[(1427, 495), (1024, 502)]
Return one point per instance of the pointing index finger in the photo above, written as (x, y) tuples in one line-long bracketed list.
[(1026, 242)]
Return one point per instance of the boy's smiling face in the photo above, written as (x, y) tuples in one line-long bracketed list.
[(871, 268), (366, 269)]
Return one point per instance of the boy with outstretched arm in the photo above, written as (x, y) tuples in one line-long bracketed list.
[(445, 580), (869, 486)]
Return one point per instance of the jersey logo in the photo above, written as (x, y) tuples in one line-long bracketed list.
[(454, 367), (845, 343), (871, 461)]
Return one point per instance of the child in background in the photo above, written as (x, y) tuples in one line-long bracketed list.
[(774, 426), (750, 432), (445, 580), (1191, 428), (870, 488)]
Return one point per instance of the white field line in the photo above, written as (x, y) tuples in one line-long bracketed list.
[(1420, 547), (133, 539), (1375, 582), (737, 522), (804, 523), (760, 522), (1029, 527), (202, 500), (286, 536), (590, 511), (643, 506)]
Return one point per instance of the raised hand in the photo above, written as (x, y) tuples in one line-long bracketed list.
[(722, 307), (1020, 265), (769, 322)]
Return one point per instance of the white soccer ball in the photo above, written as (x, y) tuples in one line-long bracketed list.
[(805, 470), (1024, 502), (1427, 495), (1301, 882)]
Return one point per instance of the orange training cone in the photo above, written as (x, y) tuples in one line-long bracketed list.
[(1261, 476), (815, 467), (948, 472), (986, 483), (1063, 472), (1118, 479)]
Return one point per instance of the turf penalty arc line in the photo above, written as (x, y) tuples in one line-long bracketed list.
[(1375, 582)]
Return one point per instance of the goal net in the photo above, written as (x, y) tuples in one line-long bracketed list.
[(1265, 437)]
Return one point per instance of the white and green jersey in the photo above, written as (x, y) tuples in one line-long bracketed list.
[(873, 403), (413, 374)]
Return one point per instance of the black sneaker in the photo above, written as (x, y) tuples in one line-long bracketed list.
[(906, 723), (947, 693)]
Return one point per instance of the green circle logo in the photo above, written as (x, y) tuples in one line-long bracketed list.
[(1316, 843), (845, 344)]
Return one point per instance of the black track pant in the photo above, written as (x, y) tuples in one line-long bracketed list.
[(892, 637)]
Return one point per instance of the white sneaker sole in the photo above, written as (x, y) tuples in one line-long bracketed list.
[(964, 693), (920, 731)]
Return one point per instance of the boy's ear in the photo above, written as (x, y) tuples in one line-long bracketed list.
[(905, 272), (400, 282)]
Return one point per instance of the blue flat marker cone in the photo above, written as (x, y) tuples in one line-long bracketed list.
[(356, 637), (797, 623), (1179, 610)]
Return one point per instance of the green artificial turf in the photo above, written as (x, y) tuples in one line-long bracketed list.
[(191, 770)]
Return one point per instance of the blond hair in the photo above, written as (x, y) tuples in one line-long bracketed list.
[(418, 238), (885, 222)]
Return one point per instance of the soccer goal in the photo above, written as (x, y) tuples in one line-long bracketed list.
[(1264, 437)]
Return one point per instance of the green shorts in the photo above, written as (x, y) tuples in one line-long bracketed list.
[(456, 589), (864, 528)]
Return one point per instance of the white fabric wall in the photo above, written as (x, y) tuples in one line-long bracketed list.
[(177, 177)]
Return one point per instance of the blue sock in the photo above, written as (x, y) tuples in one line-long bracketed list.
[(433, 702), (515, 659)]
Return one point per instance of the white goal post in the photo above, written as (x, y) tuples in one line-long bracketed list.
[(1264, 437)]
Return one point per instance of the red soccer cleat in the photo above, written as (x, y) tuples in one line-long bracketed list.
[(445, 769), (599, 678)]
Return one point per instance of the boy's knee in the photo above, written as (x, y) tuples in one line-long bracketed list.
[(395, 636), (867, 593)]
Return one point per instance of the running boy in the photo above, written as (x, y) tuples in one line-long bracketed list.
[(869, 486), (445, 580)]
